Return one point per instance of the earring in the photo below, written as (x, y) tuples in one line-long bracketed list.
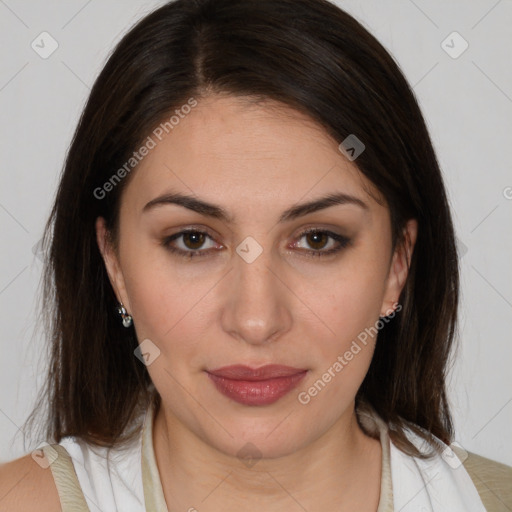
[(127, 319)]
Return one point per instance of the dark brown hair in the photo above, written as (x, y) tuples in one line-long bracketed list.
[(306, 54)]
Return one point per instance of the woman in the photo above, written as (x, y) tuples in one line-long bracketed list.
[(254, 280)]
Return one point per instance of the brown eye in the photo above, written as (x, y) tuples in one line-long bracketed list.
[(317, 240), (193, 239), (190, 243)]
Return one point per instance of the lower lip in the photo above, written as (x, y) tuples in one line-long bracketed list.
[(261, 392)]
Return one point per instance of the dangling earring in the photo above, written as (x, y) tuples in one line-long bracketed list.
[(127, 319)]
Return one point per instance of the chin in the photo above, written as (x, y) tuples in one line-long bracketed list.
[(253, 439)]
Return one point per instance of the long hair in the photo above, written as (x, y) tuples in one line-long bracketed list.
[(306, 54)]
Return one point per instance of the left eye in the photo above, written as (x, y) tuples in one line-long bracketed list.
[(319, 239)]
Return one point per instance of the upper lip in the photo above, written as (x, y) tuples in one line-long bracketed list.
[(242, 372)]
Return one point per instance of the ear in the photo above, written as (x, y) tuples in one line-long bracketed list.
[(111, 263), (399, 268)]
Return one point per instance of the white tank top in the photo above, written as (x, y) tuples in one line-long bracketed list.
[(95, 479)]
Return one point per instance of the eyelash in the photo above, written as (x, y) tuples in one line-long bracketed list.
[(343, 242)]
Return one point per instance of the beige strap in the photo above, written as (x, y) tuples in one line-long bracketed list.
[(153, 492), (373, 425), (71, 497), (386, 483)]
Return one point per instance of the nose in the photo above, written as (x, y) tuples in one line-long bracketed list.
[(257, 308)]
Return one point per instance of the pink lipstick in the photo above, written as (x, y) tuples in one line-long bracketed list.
[(259, 386)]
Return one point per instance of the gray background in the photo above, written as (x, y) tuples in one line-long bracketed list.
[(466, 100)]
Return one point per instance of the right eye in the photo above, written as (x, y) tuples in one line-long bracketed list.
[(190, 240)]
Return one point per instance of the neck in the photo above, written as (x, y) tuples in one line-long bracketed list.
[(340, 471)]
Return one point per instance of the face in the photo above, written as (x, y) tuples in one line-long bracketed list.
[(247, 284)]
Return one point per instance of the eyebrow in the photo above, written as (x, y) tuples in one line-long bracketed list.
[(217, 212)]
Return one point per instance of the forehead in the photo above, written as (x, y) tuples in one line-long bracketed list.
[(253, 156)]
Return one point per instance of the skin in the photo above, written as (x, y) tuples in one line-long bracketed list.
[(286, 307)]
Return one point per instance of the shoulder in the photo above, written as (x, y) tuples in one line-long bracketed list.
[(492, 479), (27, 485)]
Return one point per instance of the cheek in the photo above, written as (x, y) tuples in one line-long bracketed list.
[(348, 302), (163, 310), (161, 298), (343, 356)]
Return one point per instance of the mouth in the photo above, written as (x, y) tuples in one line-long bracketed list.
[(258, 386)]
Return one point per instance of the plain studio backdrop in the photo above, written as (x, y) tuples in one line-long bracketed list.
[(456, 55)]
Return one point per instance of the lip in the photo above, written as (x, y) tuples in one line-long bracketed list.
[(256, 386)]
